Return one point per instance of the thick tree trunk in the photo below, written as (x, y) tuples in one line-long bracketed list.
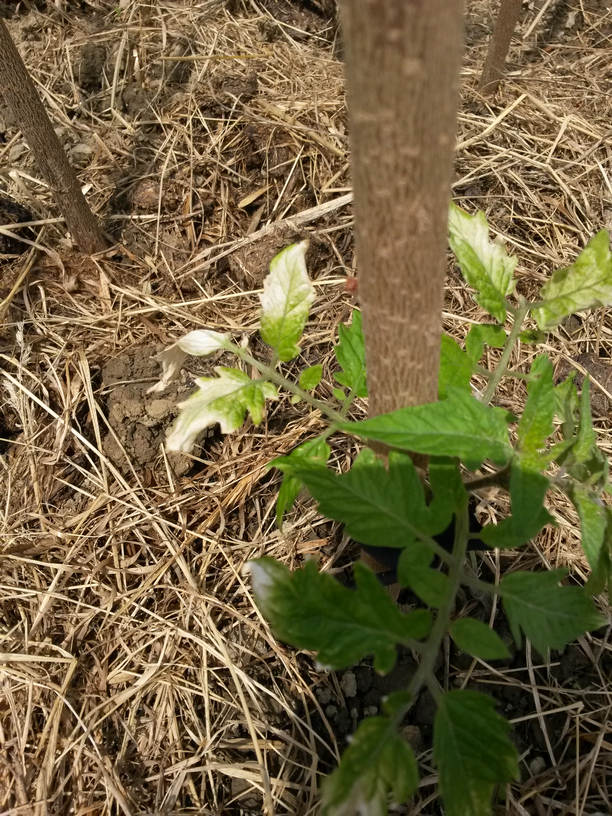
[(30, 116), (493, 70), (402, 66)]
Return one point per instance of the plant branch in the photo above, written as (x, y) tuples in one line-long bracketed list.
[(278, 379), (519, 316), (425, 671)]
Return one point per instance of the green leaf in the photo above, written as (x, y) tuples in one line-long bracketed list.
[(379, 507), (286, 300), (224, 399), (339, 394), (314, 451), (431, 586), (378, 762), (532, 337), (566, 405), (455, 367), (449, 493), (593, 524), (473, 752), (587, 463), (527, 492), (583, 285), (549, 614), (536, 423), (478, 640), (480, 335), (457, 426), (485, 264), (311, 610), (311, 377), (350, 354)]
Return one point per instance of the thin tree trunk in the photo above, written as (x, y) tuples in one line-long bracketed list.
[(30, 116), (402, 67), (495, 63)]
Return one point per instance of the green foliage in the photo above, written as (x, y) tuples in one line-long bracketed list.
[(377, 762), (472, 751), (549, 614), (459, 426), (536, 423), (379, 506), (350, 354), (313, 611), (481, 335), (386, 502), (478, 639), (527, 491), (456, 367), (310, 377), (314, 451)]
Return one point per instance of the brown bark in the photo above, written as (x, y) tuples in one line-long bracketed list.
[(493, 70), (402, 66), (30, 116)]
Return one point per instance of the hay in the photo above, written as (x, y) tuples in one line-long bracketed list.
[(137, 675)]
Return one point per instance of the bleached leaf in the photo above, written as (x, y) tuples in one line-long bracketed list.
[(485, 264), (584, 284), (202, 342), (224, 399), (286, 299), (198, 343)]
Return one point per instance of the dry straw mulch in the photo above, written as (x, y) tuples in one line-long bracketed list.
[(137, 676)]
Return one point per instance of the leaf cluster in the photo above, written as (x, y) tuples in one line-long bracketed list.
[(552, 446)]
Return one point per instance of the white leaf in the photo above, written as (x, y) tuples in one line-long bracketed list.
[(198, 343), (225, 400), (202, 342), (286, 299)]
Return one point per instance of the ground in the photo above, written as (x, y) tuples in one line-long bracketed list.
[(137, 676)]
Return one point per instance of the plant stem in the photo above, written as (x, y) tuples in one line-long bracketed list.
[(502, 366), (425, 671), (275, 377), (498, 477)]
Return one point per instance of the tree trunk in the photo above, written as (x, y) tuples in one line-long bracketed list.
[(493, 71), (30, 116), (402, 66)]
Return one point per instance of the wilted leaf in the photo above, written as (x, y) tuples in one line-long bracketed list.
[(311, 610), (485, 264), (472, 751), (224, 399), (583, 285), (286, 300), (198, 343)]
